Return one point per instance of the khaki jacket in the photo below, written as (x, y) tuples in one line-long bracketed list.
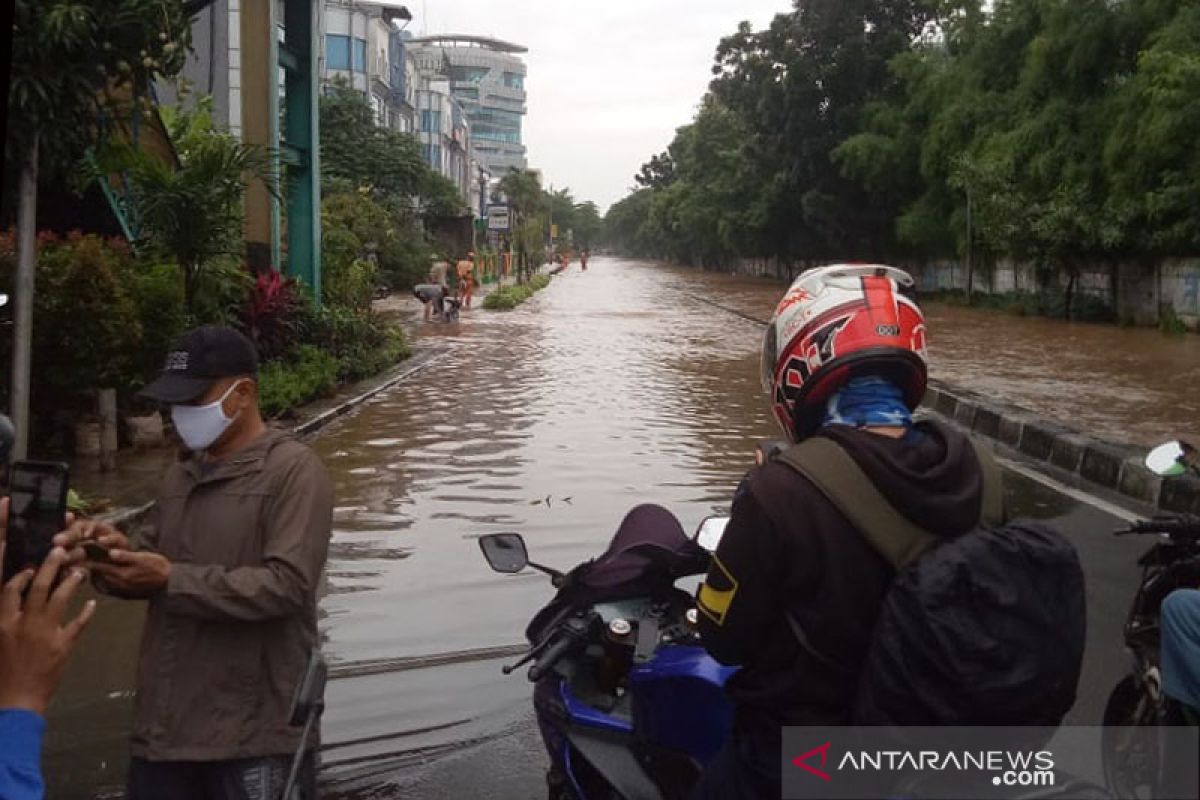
[(225, 644)]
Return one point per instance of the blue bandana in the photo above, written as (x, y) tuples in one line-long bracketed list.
[(868, 401)]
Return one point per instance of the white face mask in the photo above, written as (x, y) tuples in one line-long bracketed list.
[(200, 426)]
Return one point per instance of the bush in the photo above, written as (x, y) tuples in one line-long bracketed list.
[(308, 374), (221, 291), (349, 283), (362, 343), (88, 331), (157, 291), (273, 315), (509, 297), (398, 244)]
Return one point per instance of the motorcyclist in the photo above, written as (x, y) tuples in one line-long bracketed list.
[(1180, 620), (844, 358)]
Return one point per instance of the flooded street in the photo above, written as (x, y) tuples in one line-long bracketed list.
[(609, 388)]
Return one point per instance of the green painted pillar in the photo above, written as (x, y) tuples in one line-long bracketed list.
[(300, 149)]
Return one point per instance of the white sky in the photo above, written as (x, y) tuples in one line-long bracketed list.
[(609, 81)]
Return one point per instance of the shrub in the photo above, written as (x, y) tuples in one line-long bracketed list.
[(361, 342), (349, 284), (221, 291), (88, 330), (509, 297), (157, 292), (273, 315), (308, 374)]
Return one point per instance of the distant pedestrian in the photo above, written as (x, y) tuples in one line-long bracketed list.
[(583, 259), (433, 295), (439, 270), (466, 279)]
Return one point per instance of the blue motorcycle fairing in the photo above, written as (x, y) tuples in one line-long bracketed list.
[(581, 713), (679, 701)]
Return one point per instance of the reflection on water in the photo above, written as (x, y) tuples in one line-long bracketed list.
[(608, 389)]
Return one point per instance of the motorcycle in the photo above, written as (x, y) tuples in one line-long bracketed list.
[(628, 703), (1137, 708)]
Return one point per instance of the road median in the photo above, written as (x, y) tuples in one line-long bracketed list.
[(1114, 466)]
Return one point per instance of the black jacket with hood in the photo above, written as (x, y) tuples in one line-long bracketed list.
[(788, 547)]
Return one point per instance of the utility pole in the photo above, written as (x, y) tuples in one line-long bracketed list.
[(22, 361)]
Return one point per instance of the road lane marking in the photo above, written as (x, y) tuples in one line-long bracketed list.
[(1111, 509)]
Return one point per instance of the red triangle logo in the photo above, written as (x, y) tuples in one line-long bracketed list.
[(823, 751)]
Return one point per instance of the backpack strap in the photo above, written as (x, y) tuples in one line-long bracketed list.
[(834, 472), (991, 509), (837, 476)]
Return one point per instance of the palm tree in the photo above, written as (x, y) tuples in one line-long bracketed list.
[(193, 211), (523, 190)]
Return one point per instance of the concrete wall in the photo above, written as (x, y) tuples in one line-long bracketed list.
[(1140, 292)]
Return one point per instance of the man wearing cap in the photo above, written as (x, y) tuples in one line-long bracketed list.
[(230, 567)]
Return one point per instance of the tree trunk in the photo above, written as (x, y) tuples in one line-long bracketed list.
[(107, 408), (1070, 295), (23, 302)]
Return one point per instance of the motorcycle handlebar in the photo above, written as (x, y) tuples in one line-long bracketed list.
[(1184, 526), (550, 657)]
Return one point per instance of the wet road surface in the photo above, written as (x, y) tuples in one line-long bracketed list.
[(609, 388)]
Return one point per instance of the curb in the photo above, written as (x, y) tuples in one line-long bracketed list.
[(1111, 465), (308, 429)]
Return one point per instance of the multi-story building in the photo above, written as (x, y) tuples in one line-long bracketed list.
[(444, 133), (487, 77)]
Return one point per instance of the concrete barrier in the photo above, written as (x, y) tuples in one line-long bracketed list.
[(1114, 466)]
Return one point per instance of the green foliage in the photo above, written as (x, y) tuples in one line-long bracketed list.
[(363, 344), (157, 293), (506, 298), (1169, 322), (864, 128), (88, 330), (355, 226), (191, 213), (309, 373), (357, 154), (72, 60)]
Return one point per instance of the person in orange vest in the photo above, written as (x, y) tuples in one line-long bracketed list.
[(466, 279)]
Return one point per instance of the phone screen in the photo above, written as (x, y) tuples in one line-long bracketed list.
[(37, 511)]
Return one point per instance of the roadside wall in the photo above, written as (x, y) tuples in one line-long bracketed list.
[(1138, 293)]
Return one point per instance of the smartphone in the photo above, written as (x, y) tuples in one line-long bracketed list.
[(97, 553), (37, 510)]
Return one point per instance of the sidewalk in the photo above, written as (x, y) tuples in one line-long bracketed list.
[(131, 487)]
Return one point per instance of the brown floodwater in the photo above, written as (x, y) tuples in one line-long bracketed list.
[(607, 389)]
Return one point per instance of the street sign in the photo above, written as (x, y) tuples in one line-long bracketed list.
[(498, 218)]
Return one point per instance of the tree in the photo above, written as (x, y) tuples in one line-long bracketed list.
[(357, 152), (192, 212), (73, 65), (522, 190)]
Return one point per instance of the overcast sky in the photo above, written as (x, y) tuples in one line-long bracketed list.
[(609, 82)]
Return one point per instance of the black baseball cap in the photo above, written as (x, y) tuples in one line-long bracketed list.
[(200, 358)]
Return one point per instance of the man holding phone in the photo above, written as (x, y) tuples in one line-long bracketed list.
[(230, 567)]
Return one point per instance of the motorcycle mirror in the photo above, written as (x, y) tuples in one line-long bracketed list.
[(710, 532), (505, 552), (1172, 458)]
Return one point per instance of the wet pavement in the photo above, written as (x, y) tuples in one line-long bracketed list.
[(607, 389)]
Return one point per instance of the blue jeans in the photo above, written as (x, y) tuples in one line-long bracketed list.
[(1181, 646)]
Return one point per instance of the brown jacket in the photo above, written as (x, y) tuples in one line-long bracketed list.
[(226, 642)]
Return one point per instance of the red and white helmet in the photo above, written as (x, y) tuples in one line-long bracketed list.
[(836, 323)]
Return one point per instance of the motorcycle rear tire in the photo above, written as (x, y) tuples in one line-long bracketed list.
[(1130, 760)]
